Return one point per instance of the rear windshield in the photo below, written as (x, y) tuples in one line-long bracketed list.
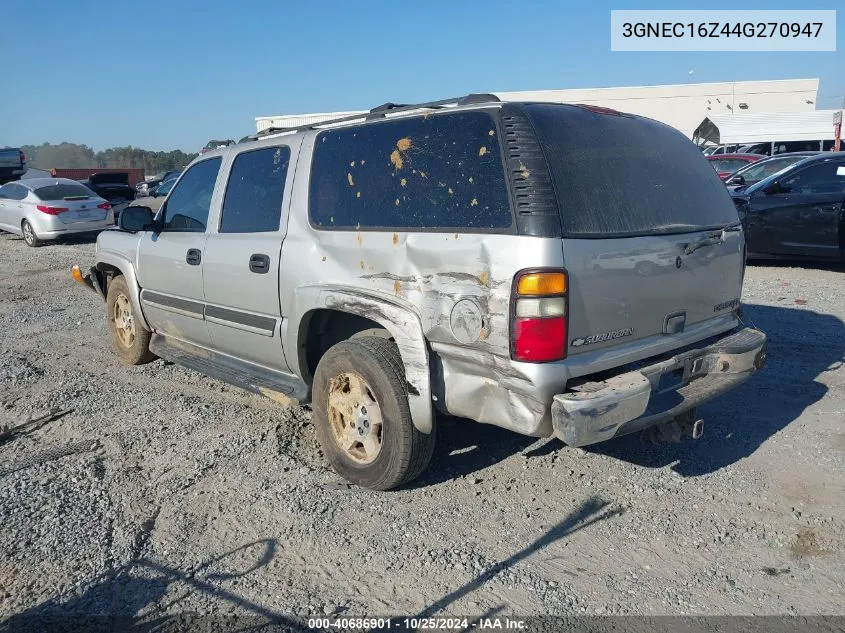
[(619, 176), (62, 191)]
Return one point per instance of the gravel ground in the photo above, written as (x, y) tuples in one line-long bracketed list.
[(164, 491)]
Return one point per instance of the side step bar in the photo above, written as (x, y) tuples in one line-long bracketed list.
[(283, 388)]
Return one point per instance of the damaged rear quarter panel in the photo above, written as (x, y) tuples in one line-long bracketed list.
[(425, 274)]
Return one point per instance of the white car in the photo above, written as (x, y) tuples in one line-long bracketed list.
[(43, 209)]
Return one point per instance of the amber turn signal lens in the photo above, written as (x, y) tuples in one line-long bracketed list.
[(77, 274), (542, 284)]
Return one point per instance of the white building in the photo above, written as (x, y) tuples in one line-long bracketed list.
[(683, 106)]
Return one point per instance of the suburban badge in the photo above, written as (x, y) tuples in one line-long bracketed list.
[(600, 338)]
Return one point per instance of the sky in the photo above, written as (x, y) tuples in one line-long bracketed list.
[(172, 75)]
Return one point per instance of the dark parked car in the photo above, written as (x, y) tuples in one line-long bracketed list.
[(753, 173), (112, 186), (796, 213), (727, 164), (12, 164), (146, 186), (215, 144)]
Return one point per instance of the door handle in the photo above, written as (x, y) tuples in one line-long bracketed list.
[(259, 263), (193, 256)]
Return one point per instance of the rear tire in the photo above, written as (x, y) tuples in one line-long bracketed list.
[(129, 339), (29, 235), (362, 417)]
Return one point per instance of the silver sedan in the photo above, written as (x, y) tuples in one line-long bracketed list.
[(44, 209)]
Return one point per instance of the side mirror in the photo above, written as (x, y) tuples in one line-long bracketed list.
[(134, 219), (774, 188), (736, 180)]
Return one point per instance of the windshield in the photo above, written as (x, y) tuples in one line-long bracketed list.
[(63, 191), (755, 172), (622, 175), (762, 184)]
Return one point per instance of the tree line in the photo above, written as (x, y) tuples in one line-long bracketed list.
[(71, 155)]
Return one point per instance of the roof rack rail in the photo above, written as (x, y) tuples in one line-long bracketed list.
[(381, 111)]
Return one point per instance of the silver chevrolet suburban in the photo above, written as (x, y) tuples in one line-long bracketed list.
[(557, 270)]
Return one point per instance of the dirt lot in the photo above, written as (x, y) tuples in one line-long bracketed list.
[(165, 491)]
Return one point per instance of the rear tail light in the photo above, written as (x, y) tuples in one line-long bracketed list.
[(51, 210), (23, 157), (539, 316), (104, 205)]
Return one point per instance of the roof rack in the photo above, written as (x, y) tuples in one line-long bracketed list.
[(380, 112)]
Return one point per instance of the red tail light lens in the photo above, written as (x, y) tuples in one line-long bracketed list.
[(104, 205), (23, 157), (539, 340), (539, 316), (51, 210)]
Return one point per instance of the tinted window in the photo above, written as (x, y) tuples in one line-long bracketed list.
[(188, 205), (621, 175), (828, 177), (438, 172), (253, 202), (63, 191), (13, 192)]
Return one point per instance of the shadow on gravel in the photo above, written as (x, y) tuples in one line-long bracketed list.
[(591, 511), (802, 346), (464, 447), (112, 603)]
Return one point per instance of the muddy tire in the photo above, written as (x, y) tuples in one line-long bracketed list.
[(362, 418), (131, 342), (29, 235)]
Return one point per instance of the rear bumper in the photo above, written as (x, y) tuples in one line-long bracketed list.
[(657, 393)]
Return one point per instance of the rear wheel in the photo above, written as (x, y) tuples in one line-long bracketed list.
[(131, 342), (29, 235), (362, 418)]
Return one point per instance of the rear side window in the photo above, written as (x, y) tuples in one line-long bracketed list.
[(619, 176), (434, 172), (189, 202), (63, 191), (253, 202)]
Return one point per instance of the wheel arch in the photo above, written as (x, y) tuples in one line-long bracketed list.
[(109, 265), (362, 311)]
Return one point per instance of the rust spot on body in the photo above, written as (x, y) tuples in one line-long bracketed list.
[(484, 278), (278, 396), (397, 287), (361, 263), (474, 202), (349, 178), (360, 239), (404, 182), (395, 239), (403, 144), (523, 171), (482, 151)]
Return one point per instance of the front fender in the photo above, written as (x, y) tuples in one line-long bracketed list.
[(398, 319), (110, 259)]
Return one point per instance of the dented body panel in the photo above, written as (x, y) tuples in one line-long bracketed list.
[(444, 294)]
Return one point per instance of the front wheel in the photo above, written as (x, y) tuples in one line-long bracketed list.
[(362, 418), (131, 342)]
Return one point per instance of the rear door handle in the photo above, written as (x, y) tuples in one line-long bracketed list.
[(259, 263), (193, 257)]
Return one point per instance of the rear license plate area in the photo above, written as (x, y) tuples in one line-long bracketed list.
[(670, 381)]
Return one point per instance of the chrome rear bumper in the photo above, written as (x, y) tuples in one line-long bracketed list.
[(657, 393)]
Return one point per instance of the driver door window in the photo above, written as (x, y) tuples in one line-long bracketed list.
[(189, 203), (816, 179)]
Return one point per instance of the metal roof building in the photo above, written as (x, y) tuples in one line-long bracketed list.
[(683, 106), (766, 127)]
